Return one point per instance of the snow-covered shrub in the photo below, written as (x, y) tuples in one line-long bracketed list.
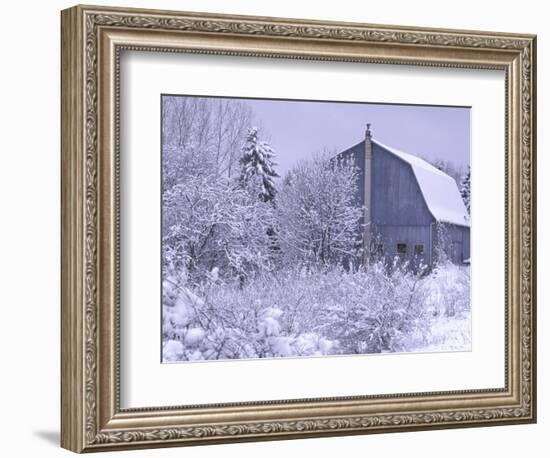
[(374, 309), (321, 311), (231, 320), (446, 289), (172, 350), (194, 336)]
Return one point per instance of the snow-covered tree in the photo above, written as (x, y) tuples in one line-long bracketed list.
[(211, 222), (258, 166), (213, 127), (465, 189), (317, 212), (181, 163)]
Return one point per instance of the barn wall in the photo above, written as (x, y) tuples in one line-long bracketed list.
[(448, 235), (397, 199), (356, 154), (466, 238), (389, 236), (396, 196)]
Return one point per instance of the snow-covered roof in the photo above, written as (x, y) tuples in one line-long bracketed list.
[(439, 189)]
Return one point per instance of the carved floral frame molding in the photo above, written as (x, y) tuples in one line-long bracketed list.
[(92, 39)]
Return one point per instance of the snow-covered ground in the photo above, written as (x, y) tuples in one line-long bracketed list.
[(315, 313), (448, 334)]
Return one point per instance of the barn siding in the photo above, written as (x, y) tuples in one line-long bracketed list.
[(396, 196), (466, 239), (389, 236)]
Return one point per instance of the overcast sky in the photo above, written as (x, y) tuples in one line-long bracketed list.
[(296, 129)]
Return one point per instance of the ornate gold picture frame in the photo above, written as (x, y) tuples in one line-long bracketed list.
[(93, 39)]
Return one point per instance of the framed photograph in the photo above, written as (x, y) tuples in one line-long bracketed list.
[(279, 228)]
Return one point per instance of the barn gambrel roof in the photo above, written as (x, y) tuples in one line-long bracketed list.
[(439, 190)]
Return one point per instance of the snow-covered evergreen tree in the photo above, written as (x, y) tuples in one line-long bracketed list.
[(465, 189), (258, 167)]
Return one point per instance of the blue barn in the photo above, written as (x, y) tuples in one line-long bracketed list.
[(412, 210)]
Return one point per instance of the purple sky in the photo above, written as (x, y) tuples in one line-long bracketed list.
[(295, 129)]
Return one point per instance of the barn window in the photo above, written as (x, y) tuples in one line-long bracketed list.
[(402, 248), (419, 249)]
